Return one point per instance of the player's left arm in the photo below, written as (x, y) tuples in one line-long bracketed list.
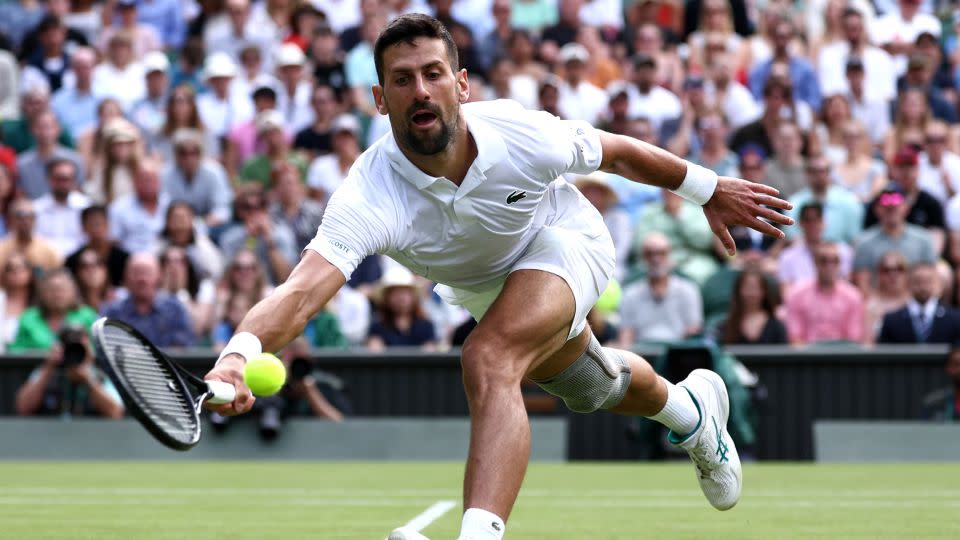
[(726, 201)]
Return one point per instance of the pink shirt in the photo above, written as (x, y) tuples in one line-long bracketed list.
[(814, 314)]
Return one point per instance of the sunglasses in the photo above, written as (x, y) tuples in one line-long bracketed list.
[(655, 252), (828, 260), (245, 267), (891, 269), (936, 140)]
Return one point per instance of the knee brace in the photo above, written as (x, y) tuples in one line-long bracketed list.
[(597, 380)]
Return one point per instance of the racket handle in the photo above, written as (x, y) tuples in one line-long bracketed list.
[(222, 392)]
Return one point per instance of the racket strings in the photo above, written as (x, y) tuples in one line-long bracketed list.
[(152, 384)]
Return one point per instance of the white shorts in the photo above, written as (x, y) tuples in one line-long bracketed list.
[(577, 248)]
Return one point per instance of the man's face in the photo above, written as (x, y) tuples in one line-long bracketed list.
[(818, 174), (656, 255), (96, 227), (788, 143), (935, 143), (855, 78), (644, 77), (891, 210), (782, 34), (22, 218), (774, 101), (34, 103), (188, 158), (324, 103), (549, 98), (120, 52), (156, 83), (46, 129), (853, 28), (290, 75), (753, 168), (906, 176), (274, 139), (924, 283), (811, 223), (220, 85), (82, 66), (619, 105), (143, 277), (575, 70), (238, 11), (422, 95), (146, 184), (54, 38), (61, 180), (827, 262)]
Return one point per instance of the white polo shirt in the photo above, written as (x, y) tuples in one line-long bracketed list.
[(467, 237)]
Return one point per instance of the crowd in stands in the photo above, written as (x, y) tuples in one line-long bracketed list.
[(164, 162)]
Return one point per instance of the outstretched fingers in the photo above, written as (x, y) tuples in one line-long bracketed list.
[(773, 202)]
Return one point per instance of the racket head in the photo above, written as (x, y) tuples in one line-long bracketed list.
[(154, 389)]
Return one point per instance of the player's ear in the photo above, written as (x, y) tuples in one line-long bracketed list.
[(463, 86), (379, 100)]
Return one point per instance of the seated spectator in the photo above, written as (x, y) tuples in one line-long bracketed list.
[(272, 241), (112, 179), (91, 143), (8, 193), (661, 307), (752, 319), (923, 210), (93, 282), (943, 405), (18, 133), (242, 142), (196, 293), (197, 179), (615, 118), (219, 109), (826, 137), (58, 305), (910, 119), (579, 98), (796, 262), (253, 73), (16, 294), (159, 316), (778, 105), (327, 172), (291, 205), (724, 91), (801, 72), (323, 331), (786, 170), (925, 319), (294, 91), (871, 111), (120, 75), (231, 29), (548, 96), (137, 219), (182, 113), (181, 230), (150, 113), (650, 100), (243, 276), (597, 189), (860, 173), (96, 228), (713, 152), (400, 320), (939, 167), (143, 37), (40, 252), (58, 212), (32, 164), (317, 138), (890, 294), (827, 308), (892, 233), (271, 132), (687, 231), (876, 67), (842, 211), (235, 310)]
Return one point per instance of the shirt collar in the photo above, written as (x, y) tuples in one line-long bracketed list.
[(491, 149), (928, 309)]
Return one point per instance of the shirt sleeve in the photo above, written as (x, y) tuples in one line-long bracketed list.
[(571, 146)]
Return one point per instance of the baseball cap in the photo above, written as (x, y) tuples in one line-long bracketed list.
[(269, 119), (906, 157), (574, 51), (155, 61), (219, 64), (290, 55), (346, 122)]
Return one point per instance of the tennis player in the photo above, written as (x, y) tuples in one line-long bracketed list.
[(470, 196)]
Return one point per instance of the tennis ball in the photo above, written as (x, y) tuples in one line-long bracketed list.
[(609, 301), (264, 375)]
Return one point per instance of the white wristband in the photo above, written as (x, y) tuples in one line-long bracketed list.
[(245, 344), (699, 184)]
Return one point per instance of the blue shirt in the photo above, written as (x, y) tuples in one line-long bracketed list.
[(806, 87), (842, 214), (166, 17), (167, 324), (420, 333), (76, 111)]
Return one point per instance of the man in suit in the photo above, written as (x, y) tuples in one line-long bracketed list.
[(924, 319)]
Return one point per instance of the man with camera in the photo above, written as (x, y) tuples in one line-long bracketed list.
[(68, 383)]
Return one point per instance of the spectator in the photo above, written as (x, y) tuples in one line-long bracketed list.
[(925, 319), (292, 207), (272, 241), (315, 139), (196, 179), (871, 111), (400, 319), (242, 142), (113, 178), (219, 109), (661, 307), (597, 189), (159, 316), (18, 133), (506, 83), (244, 275), (8, 193), (143, 37), (827, 308), (778, 105), (752, 319), (943, 405), (615, 118), (58, 211), (326, 173), (182, 113), (649, 100), (91, 143), (923, 209), (196, 293), (910, 122), (251, 75), (32, 164), (565, 30), (860, 173), (919, 75), (796, 262), (150, 113), (786, 170), (188, 70), (548, 96), (890, 294), (328, 68), (9, 83), (687, 231), (96, 228), (180, 230), (137, 219), (716, 24), (649, 41), (294, 92), (93, 281), (58, 306), (522, 51), (21, 238), (75, 105), (892, 233), (579, 99), (270, 132), (236, 309), (725, 92), (713, 152), (827, 136), (359, 66), (842, 211), (801, 73), (48, 59), (493, 44), (875, 64), (120, 76), (897, 31), (939, 167), (166, 17), (229, 32), (17, 291)]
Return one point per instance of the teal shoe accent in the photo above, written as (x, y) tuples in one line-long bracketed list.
[(673, 437), (722, 448)]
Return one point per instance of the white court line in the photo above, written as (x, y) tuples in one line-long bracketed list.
[(434, 512)]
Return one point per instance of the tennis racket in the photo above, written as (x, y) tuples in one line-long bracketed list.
[(163, 396)]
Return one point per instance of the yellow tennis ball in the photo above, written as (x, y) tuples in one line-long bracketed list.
[(264, 375)]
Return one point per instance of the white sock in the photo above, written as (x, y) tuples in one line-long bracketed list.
[(680, 413), (481, 525)]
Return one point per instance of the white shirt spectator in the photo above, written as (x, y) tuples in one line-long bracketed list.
[(218, 36), (242, 88), (880, 73), (585, 102), (873, 114), (218, 116), (297, 112), (341, 14), (891, 28), (126, 86), (602, 13), (658, 319), (931, 179), (738, 104), (133, 226), (659, 105), (60, 224), (324, 174), (352, 309)]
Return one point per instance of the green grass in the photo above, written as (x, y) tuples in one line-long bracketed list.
[(364, 501)]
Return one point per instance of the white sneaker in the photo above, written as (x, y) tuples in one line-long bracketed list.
[(406, 533), (709, 445)]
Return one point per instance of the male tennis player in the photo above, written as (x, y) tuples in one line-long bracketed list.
[(469, 196)]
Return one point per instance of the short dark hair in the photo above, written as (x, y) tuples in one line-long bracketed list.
[(58, 161), (265, 92), (91, 211), (814, 207), (406, 29), (851, 12)]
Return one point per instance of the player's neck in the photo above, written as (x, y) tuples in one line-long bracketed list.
[(454, 162)]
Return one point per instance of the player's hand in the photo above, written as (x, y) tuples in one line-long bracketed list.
[(230, 370), (739, 202)]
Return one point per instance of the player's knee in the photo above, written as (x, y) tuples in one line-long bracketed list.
[(597, 380), (486, 366)]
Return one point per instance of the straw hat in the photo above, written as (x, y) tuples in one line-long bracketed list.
[(120, 130), (600, 180), (395, 276)]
